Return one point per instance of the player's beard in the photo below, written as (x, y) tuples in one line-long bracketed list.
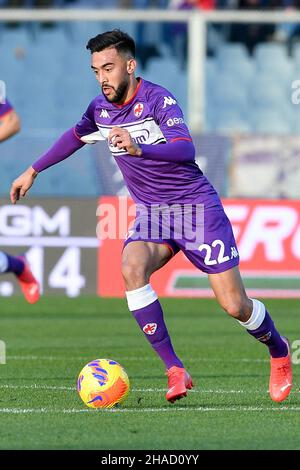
[(120, 93)]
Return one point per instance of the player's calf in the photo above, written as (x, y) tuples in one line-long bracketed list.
[(139, 261), (261, 326), (146, 309)]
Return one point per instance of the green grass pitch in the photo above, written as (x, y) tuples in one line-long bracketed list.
[(48, 344)]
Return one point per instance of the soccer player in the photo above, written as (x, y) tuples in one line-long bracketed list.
[(162, 171), (9, 126)]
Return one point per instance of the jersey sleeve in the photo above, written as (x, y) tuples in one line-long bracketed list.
[(169, 117), (5, 108), (86, 129)]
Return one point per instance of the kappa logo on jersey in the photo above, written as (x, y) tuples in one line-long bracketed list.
[(168, 101), (150, 328), (138, 109), (104, 113)]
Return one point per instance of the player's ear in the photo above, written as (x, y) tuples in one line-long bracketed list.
[(131, 66)]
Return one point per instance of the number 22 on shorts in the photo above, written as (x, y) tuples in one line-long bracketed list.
[(221, 258)]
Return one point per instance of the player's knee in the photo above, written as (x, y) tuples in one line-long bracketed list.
[(134, 274), (240, 309)]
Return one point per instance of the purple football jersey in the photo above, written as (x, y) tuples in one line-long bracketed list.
[(153, 117), (5, 108)]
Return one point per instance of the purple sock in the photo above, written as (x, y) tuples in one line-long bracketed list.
[(15, 265), (266, 333), (151, 321)]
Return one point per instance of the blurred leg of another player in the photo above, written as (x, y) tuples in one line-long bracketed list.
[(19, 266)]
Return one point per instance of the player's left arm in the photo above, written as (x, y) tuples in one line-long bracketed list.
[(179, 146), (9, 124)]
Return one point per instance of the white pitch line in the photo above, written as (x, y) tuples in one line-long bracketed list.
[(136, 390), (35, 387), (133, 358), (144, 390), (145, 410)]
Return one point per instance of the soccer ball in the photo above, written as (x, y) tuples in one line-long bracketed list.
[(103, 383)]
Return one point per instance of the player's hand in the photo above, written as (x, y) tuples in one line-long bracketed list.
[(22, 184), (120, 138)]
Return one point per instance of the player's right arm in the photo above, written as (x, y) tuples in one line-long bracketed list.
[(62, 149), (66, 145), (22, 184)]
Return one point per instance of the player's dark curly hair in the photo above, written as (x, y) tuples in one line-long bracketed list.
[(121, 41)]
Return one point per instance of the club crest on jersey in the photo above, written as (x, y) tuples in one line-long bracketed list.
[(138, 109), (150, 328)]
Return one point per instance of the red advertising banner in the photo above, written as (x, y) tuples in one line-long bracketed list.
[(268, 238)]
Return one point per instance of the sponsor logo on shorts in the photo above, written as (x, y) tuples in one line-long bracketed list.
[(150, 328)]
